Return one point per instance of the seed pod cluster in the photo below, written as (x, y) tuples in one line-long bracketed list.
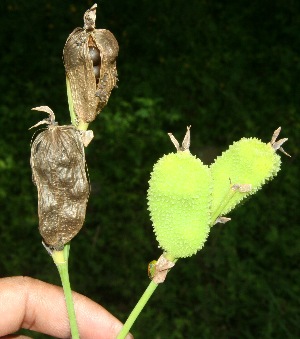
[(90, 62), (186, 197), (59, 172), (179, 199)]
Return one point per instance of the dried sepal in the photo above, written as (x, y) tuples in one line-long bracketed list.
[(59, 172), (90, 62), (50, 120), (222, 220), (242, 188), (185, 143), (277, 144), (89, 18), (86, 137), (160, 269)]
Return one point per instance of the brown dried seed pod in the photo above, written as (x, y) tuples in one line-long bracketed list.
[(58, 169), (87, 47)]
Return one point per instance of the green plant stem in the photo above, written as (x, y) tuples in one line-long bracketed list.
[(80, 125), (70, 102), (218, 211), (137, 310), (60, 259)]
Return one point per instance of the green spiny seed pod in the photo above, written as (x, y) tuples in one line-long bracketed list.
[(242, 170), (58, 170), (179, 198), (90, 62)]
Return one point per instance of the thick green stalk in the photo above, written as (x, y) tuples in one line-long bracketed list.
[(60, 259), (137, 310)]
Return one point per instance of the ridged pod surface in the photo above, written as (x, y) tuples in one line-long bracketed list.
[(241, 171), (58, 170), (179, 198), (90, 62)]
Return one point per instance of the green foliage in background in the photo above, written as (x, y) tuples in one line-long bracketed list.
[(230, 70)]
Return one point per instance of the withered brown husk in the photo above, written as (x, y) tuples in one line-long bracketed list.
[(59, 172), (90, 62)]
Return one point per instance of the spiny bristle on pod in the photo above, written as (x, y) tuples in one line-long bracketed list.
[(179, 198), (242, 170)]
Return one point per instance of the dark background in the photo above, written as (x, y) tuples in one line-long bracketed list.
[(230, 69)]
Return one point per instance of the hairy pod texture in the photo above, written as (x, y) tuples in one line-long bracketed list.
[(179, 198), (241, 171), (58, 170), (186, 197), (90, 62)]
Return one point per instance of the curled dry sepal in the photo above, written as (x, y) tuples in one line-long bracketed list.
[(59, 173), (158, 269), (90, 62), (186, 197)]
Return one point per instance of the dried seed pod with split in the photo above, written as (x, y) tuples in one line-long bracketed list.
[(90, 62), (58, 170)]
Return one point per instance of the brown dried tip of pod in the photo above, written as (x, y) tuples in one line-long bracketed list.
[(59, 172), (90, 62)]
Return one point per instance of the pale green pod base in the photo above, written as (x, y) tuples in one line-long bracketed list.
[(179, 199), (248, 161)]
